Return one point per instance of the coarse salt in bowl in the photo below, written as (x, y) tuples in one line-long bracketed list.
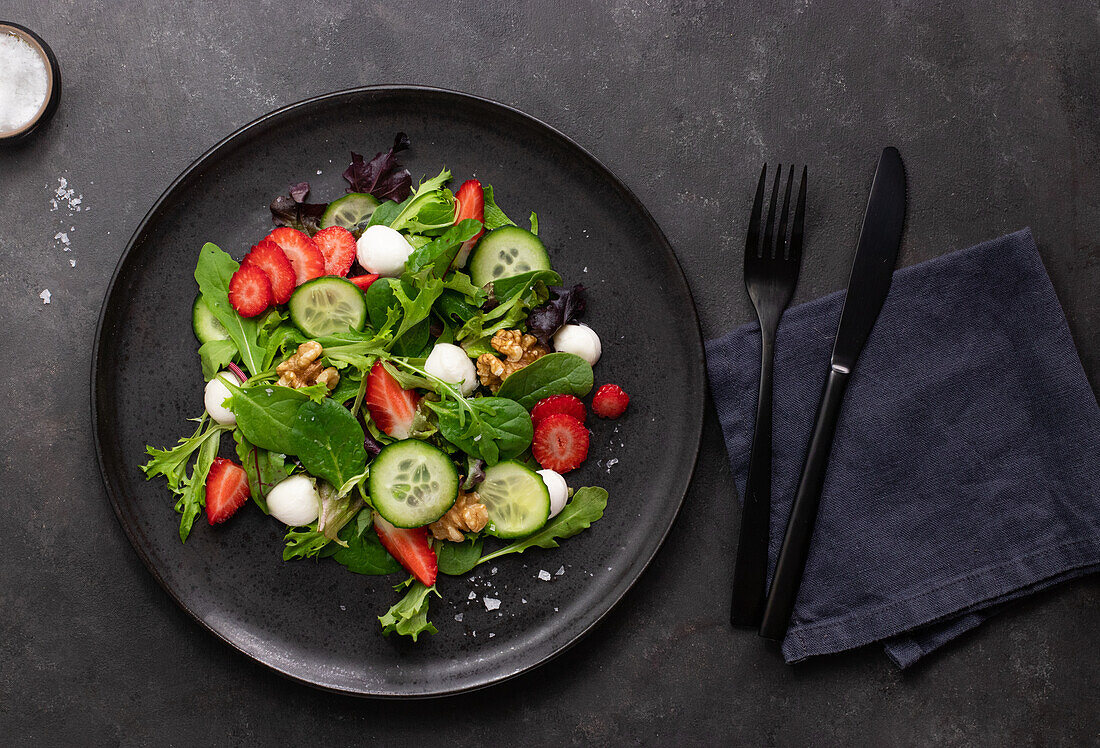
[(30, 81)]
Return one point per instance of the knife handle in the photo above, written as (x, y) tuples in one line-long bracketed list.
[(800, 526), (750, 570)]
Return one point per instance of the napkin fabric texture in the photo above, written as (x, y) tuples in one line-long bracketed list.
[(965, 471)]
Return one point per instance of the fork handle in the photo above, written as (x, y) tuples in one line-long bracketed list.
[(750, 570)]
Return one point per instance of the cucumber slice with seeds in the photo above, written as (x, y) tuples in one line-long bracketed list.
[(205, 324), (352, 211), (517, 499), (505, 252), (412, 483), (326, 305)]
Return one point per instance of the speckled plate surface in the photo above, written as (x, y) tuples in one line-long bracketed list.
[(314, 621)]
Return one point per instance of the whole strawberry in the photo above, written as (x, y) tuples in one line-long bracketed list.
[(610, 401)]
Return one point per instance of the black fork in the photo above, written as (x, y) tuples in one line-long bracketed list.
[(771, 272)]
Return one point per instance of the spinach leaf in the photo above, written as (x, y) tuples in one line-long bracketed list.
[(440, 252), (363, 552), (409, 615), (215, 355), (346, 388), (456, 559), (491, 428), (585, 508), (265, 414), (213, 271), (328, 441), (264, 468), (553, 374)]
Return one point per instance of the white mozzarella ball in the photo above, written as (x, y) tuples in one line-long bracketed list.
[(215, 395), (559, 491), (451, 364), (382, 250), (581, 340), (294, 501)]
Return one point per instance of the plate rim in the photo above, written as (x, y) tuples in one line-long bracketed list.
[(698, 385)]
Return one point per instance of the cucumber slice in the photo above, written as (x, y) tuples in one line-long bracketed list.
[(517, 499), (205, 324), (412, 483), (505, 252), (326, 305), (352, 211)]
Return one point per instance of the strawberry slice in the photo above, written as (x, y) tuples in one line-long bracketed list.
[(610, 401), (226, 490), (391, 408), (364, 281), (571, 405), (338, 246), (267, 256), (307, 260), (410, 547), (469, 203), (249, 291), (560, 443)]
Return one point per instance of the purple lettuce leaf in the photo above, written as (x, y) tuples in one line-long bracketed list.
[(292, 210), (564, 306), (382, 176)]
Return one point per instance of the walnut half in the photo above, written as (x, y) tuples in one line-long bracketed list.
[(303, 369), (467, 515), (519, 350)]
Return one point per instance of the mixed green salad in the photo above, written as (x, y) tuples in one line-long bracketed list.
[(399, 372)]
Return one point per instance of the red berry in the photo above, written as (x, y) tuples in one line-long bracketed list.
[(560, 443), (570, 405), (303, 254), (469, 203), (391, 408), (226, 490), (269, 257), (610, 401), (410, 547), (364, 281), (338, 246), (249, 291)]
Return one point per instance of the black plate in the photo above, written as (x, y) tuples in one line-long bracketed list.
[(314, 621)]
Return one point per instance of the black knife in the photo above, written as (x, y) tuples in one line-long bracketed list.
[(876, 256)]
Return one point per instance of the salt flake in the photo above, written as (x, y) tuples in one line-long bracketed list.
[(472, 596), (491, 603), (560, 571), (45, 296), (458, 617), (544, 575)]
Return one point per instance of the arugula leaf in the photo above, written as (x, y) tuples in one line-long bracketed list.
[(264, 468), (305, 542), (190, 488), (440, 252), (409, 339), (553, 374), (361, 551), (505, 288), (328, 441), (455, 559), (586, 507), (409, 615), (266, 412), (346, 388), (494, 216), (213, 271), (215, 355), (491, 428), (534, 219)]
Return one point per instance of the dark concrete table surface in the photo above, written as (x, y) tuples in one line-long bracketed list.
[(995, 107)]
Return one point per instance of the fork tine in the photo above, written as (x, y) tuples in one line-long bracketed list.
[(781, 244), (752, 243), (799, 217), (769, 225)]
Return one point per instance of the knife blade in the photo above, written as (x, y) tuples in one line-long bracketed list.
[(868, 286)]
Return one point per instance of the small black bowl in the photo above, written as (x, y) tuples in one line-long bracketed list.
[(53, 82)]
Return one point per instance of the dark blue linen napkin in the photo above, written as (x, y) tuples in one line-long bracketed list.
[(966, 466)]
